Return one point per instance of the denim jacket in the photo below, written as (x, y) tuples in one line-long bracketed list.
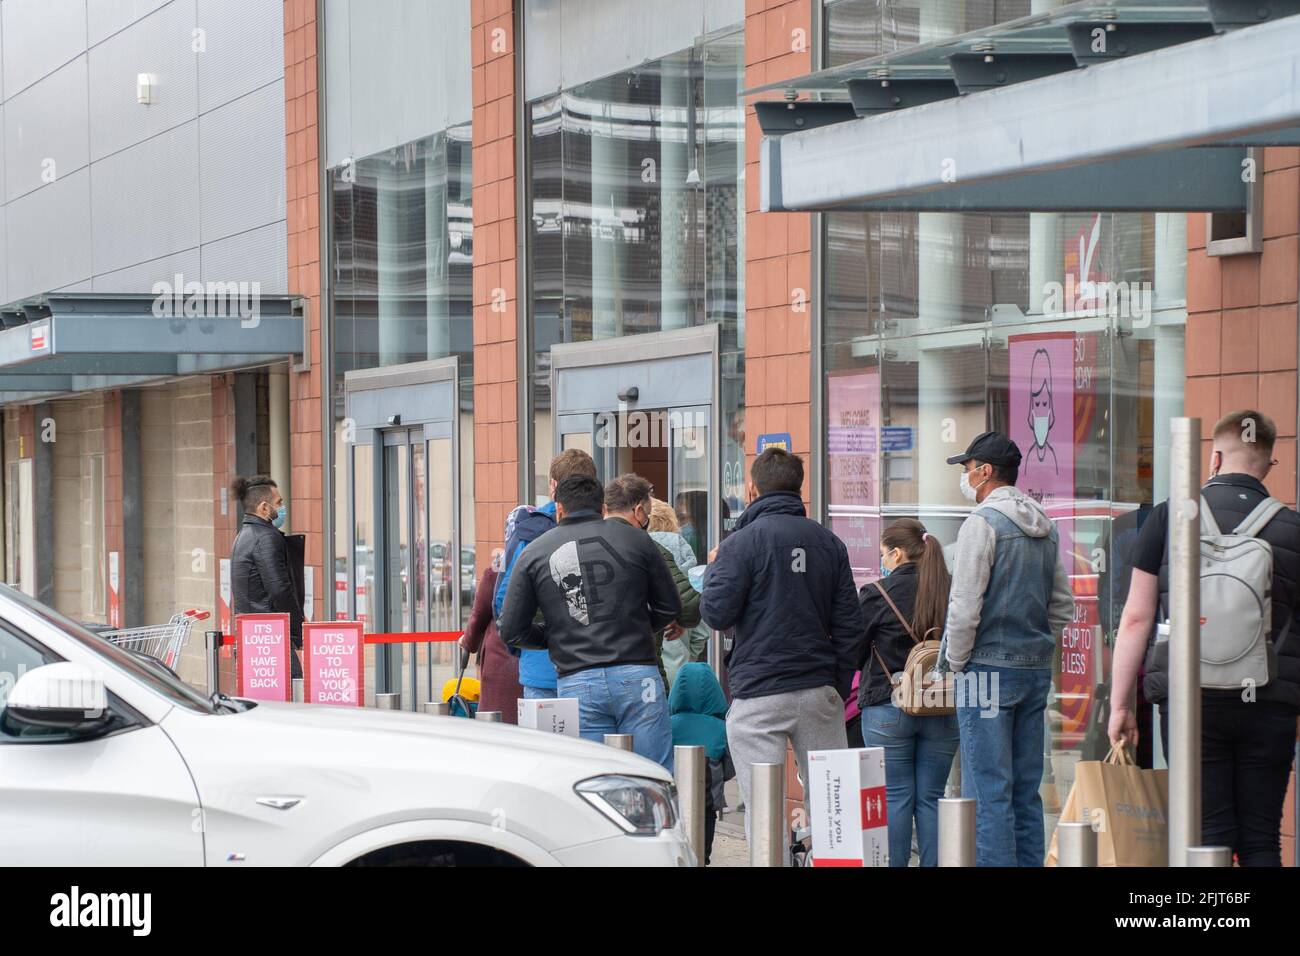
[(1010, 595)]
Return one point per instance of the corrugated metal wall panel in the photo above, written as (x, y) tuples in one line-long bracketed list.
[(106, 17), (141, 278), (261, 255), (245, 48), (44, 257), (39, 37), (241, 162), (45, 131), (160, 45), (146, 200)]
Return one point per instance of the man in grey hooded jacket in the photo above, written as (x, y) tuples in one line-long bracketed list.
[(1009, 602)]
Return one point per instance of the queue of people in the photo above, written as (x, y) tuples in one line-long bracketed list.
[(598, 584)]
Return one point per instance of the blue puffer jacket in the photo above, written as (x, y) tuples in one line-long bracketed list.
[(784, 583), (525, 525)]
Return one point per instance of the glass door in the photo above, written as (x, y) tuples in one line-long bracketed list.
[(403, 573), (418, 569), (398, 581)]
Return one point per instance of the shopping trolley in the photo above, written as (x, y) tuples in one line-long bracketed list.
[(164, 642)]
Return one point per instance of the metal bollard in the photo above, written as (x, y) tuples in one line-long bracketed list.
[(1076, 844), (298, 692), (437, 707), (767, 834), (619, 741), (491, 716), (1184, 638), (212, 641), (1209, 856), (956, 831), (688, 768), (388, 701)]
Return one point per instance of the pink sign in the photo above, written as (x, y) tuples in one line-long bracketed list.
[(1051, 397), (853, 466), (334, 667), (262, 656)]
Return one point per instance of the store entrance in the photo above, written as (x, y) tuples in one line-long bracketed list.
[(405, 575), (648, 405)]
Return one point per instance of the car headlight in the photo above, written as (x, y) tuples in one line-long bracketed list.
[(638, 805)]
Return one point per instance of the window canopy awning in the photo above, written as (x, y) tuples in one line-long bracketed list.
[(1137, 105), (63, 344)]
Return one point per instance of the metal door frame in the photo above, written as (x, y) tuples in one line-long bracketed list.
[(422, 424), (636, 350)]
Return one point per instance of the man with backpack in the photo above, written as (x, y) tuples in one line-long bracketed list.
[(526, 524), (1250, 662)]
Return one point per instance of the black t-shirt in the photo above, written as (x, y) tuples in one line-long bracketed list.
[(1150, 550)]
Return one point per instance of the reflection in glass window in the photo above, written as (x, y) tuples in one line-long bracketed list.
[(402, 254), (636, 224), (1063, 330)]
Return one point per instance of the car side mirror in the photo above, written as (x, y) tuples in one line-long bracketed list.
[(63, 696)]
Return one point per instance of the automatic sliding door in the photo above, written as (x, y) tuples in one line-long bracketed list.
[(397, 559)]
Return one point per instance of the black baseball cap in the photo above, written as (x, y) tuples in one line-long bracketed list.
[(993, 448)]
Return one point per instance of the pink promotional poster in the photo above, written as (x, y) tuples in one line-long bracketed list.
[(1051, 377), (262, 656), (334, 664), (853, 462)]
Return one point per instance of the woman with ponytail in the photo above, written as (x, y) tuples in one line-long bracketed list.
[(910, 599)]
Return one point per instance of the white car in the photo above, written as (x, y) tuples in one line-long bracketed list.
[(106, 761)]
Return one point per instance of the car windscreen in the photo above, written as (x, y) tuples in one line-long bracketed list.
[(169, 687)]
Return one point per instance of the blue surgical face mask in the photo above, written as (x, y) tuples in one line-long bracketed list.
[(696, 576), (884, 571), (280, 515)]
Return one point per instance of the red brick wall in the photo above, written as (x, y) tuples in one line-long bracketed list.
[(496, 416), (1241, 339), (1241, 322), (302, 190), (778, 264)]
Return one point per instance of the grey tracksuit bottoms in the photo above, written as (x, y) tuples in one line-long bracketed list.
[(759, 728)]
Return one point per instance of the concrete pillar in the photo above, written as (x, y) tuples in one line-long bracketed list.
[(388, 253), (940, 237), (1046, 260), (132, 569), (606, 231), (43, 501), (437, 245), (675, 95)]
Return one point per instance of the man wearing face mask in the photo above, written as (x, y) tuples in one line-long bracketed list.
[(1009, 602), (262, 579)]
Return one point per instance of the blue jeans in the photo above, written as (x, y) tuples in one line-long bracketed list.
[(1002, 760), (539, 693), (624, 699), (918, 756)]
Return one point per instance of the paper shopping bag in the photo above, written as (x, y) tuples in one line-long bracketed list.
[(1127, 807)]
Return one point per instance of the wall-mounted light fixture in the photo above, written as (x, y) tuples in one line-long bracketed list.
[(144, 84)]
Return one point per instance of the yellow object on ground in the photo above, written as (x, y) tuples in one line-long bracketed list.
[(469, 689)]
